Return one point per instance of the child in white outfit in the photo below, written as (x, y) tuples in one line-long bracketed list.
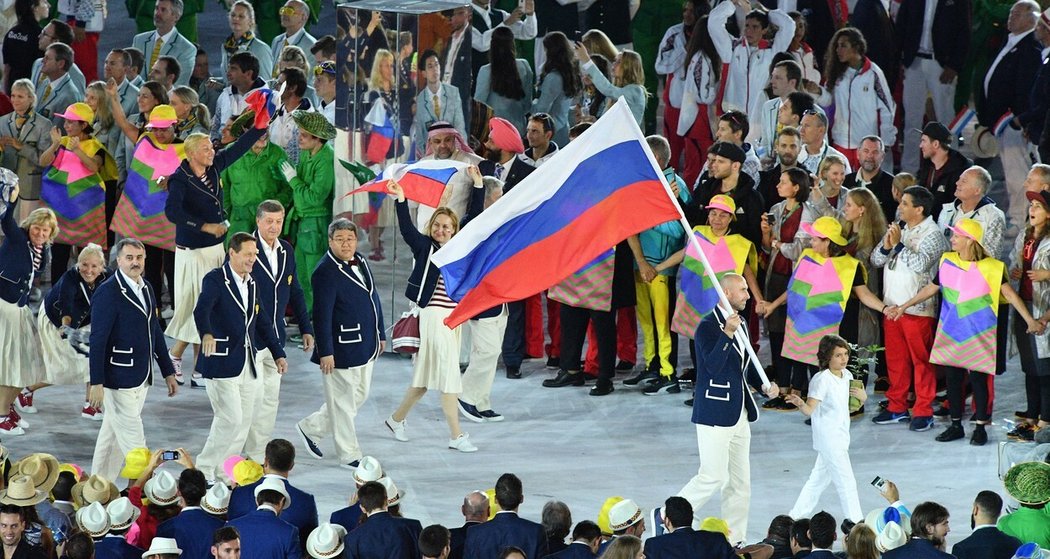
[(828, 405)]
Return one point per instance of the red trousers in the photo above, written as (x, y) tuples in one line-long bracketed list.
[(534, 327), (851, 156), (626, 340), (85, 55), (696, 142), (908, 342), (671, 133)]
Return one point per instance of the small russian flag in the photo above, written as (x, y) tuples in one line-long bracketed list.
[(423, 181), (960, 121), (382, 135), (1002, 123)]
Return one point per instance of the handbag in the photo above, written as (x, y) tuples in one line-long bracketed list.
[(405, 335)]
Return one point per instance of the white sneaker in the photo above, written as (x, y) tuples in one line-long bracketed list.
[(462, 443), (398, 428)]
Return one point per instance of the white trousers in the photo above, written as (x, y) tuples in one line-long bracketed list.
[(923, 78), (121, 430), (261, 429), (1015, 152), (233, 403), (831, 467), (345, 391), (725, 467), (486, 344)]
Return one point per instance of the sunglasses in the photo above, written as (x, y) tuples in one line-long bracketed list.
[(324, 68), (286, 11)]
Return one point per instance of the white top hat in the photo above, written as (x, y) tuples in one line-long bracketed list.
[(162, 546), (162, 489), (93, 520), (217, 500), (274, 484), (624, 514), (393, 496), (122, 514), (891, 537), (367, 470), (326, 541)]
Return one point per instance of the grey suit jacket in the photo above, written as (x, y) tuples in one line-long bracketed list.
[(178, 47), (63, 94), (129, 97), (303, 41), (74, 74), (451, 106), (35, 138)]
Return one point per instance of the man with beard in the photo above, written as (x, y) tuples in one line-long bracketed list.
[(724, 176), (12, 529), (941, 165), (445, 142), (987, 541), (538, 132), (871, 176), (929, 528), (783, 81), (788, 146)]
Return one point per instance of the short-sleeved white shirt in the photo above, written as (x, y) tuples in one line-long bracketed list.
[(831, 418)]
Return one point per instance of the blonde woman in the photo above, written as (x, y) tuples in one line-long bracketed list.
[(829, 196), (24, 135), (295, 57), (66, 309), (193, 115), (597, 42), (628, 79), (243, 37)]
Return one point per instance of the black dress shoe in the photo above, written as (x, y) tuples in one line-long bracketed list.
[(979, 436), (882, 384), (564, 378), (514, 372), (954, 432), (602, 388), (624, 366), (689, 402)]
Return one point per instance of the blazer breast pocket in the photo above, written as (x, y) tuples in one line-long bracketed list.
[(121, 357), (717, 391), (222, 347), (350, 335)]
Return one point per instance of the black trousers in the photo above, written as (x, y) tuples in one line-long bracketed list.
[(1036, 372), (956, 397), (574, 331), (160, 263), (514, 335)]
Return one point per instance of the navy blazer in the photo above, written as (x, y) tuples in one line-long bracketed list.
[(192, 529), (192, 204), (821, 554), (686, 543), (382, 536), (421, 246), (347, 517), (1010, 84), (1034, 118), (347, 312), (457, 537), (987, 543), (917, 548), (302, 514), (506, 529), (221, 312), (264, 536), (71, 296), (277, 290), (720, 375), (519, 169), (949, 32), (580, 550), (16, 261), (125, 336), (116, 547)]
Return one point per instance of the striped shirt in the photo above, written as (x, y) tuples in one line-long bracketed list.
[(440, 297)]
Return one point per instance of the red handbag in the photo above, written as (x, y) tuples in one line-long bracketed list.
[(405, 337)]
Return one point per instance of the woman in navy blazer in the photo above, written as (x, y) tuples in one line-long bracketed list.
[(67, 308), (23, 254), (436, 366)]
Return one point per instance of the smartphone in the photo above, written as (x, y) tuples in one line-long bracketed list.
[(878, 483), (771, 218), (169, 455)]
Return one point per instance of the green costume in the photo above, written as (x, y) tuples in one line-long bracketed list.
[(250, 180), (142, 12), (1028, 525), (312, 191), (989, 33), (647, 29)]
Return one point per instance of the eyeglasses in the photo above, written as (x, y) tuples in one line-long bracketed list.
[(326, 67), (286, 11)]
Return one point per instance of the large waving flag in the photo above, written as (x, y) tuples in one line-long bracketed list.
[(140, 211), (78, 195), (602, 188), (382, 135), (423, 181)]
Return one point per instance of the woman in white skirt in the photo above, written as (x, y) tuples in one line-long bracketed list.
[(24, 254), (66, 309), (436, 365)]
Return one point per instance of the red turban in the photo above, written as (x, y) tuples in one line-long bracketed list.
[(505, 136)]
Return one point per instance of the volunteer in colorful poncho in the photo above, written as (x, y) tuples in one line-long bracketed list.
[(970, 283), (823, 297), (77, 168)]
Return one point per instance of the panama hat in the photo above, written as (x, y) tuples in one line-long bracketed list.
[(22, 492), (624, 514), (80, 112), (393, 495), (42, 468), (274, 484), (984, 144), (93, 520), (135, 463), (892, 536), (826, 228), (724, 203), (122, 514), (162, 116), (314, 123), (162, 546), (217, 500), (1029, 482), (162, 489), (326, 541), (94, 489), (368, 470)]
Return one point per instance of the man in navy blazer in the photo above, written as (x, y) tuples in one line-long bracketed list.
[(193, 527), (126, 338), (350, 337), (301, 512), (506, 529), (227, 318), (681, 541), (277, 286), (987, 541), (475, 510), (381, 536), (586, 537), (822, 534), (929, 528), (264, 535), (723, 408)]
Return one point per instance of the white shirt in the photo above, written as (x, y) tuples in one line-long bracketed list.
[(270, 254), (831, 418), (926, 38), (481, 40), (136, 287), (454, 42), (164, 40), (242, 287), (1011, 42)]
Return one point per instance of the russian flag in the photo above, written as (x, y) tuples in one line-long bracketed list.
[(423, 181), (962, 118), (602, 188), (382, 135)]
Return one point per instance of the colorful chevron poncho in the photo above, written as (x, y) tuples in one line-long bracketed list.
[(730, 253), (816, 302), (591, 286), (140, 211), (78, 195), (969, 308)]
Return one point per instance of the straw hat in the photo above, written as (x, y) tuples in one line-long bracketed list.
[(326, 541), (393, 495), (42, 468), (217, 500), (94, 489), (892, 536), (93, 520), (984, 143), (624, 514), (367, 470), (1029, 482), (162, 546), (162, 489), (314, 123), (22, 492), (274, 484), (135, 463), (826, 228), (122, 514)]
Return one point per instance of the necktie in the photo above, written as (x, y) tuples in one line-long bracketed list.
[(156, 52), (437, 107), (283, 46), (47, 93), (499, 171)]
